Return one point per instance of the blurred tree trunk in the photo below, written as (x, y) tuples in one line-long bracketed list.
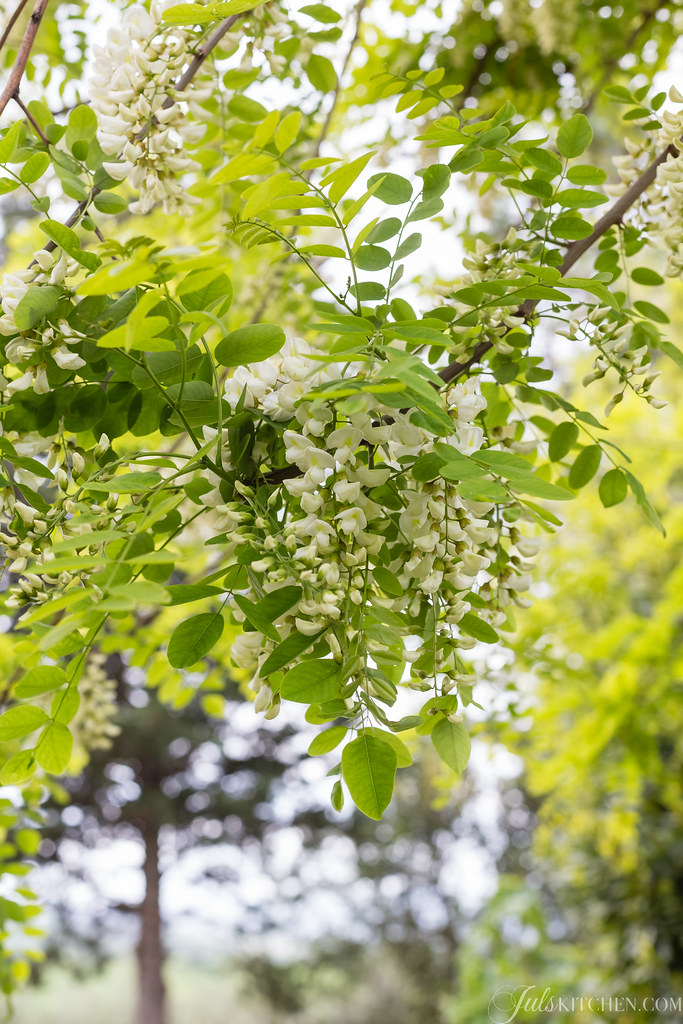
[(150, 954)]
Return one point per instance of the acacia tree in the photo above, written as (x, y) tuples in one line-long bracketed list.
[(222, 388)]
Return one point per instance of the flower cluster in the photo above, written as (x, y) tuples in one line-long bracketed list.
[(94, 727), (359, 535), (142, 118), (30, 350), (28, 533), (498, 262), (660, 210), (614, 341), (259, 32)]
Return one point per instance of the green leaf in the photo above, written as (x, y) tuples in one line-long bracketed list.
[(110, 203), (383, 230), (452, 744), (645, 275), (369, 770), (482, 490), (574, 136), (672, 352), (204, 289), (613, 488), (53, 750), (575, 198), (82, 125), (34, 167), (262, 615), (372, 258), (342, 178), (18, 768), (326, 741), (571, 228), (21, 721), (42, 679), (403, 756), (544, 161), (9, 142), (197, 403), (502, 462), (643, 501), (291, 648), (537, 487), (387, 581), (68, 240), (193, 638), (562, 440), (585, 174), (321, 12), (321, 73), (651, 311), (117, 277), (337, 796), (186, 593), (188, 14), (250, 344), (312, 682), (126, 483), (39, 300), (393, 190), (480, 630), (585, 467), (288, 131)]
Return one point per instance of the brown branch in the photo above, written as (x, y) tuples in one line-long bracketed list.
[(11, 23), (575, 251), (30, 118), (203, 52), (17, 72)]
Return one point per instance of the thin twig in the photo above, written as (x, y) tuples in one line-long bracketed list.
[(575, 251), (17, 72), (10, 24), (29, 117)]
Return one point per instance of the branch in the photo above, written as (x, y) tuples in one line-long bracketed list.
[(10, 24), (17, 72), (203, 52), (30, 118), (575, 251)]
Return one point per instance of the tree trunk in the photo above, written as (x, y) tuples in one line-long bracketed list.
[(150, 955)]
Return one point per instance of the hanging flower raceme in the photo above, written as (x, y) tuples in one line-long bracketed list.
[(366, 551), (142, 118), (33, 350)]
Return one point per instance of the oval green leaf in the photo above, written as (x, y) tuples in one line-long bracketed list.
[(194, 638), (452, 744), (369, 770), (250, 344), (312, 682)]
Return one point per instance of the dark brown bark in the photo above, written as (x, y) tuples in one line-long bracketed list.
[(150, 954)]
